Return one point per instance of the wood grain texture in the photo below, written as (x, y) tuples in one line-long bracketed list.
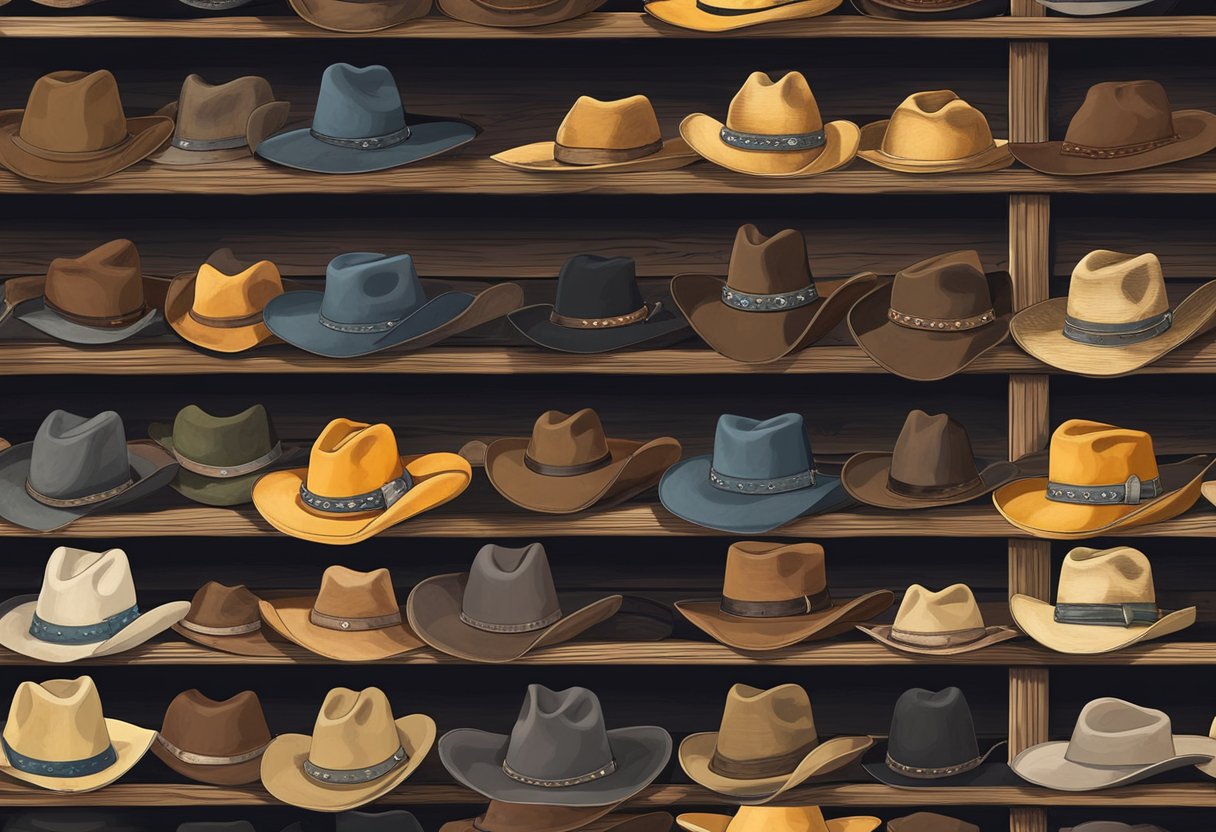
[(1030, 568), (1030, 248), (1029, 414), (1028, 708), (1027, 819)]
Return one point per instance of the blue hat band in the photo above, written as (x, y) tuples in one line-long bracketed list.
[(65, 768), (87, 634)]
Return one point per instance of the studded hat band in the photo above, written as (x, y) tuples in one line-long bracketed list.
[(76, 502), (773, 142), (229, 471), (200, 145), (780, 302), (234, 630), (82, 634), (116, 321), (1089, 152), (357, 329), (777, 609), (379, 500), (355, 776), (369, 143), (353, 625), (952, 638), (778, 485), (603, 771), (1108, 615), (774, 766), (604, 323), (547, 470), (941, 324), (209, 760), (1130, 493), (604, 155), (1116, 335), (60, 768), (924, 773), (226, 323), (526, 627)]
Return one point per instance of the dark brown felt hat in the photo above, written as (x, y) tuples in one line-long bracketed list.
[(227, 618), (1122, 126), (770, 305), (220, 743), (519, 817), (935, 318), (359, 15), (932, 9), (221, 122), (517, 13)]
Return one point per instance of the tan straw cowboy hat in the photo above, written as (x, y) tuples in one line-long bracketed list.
[(943, 623), (934, 132), (727, 15)]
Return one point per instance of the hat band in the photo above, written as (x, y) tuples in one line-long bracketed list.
[(604, 323), (379, 500), (226, 323), (234, 630), (603, 771), (949, 638), (774, 766), (780, 302), (939, 324), (356, 776), (547, 470), (354, 625), (357, 329), (529, 627), (779, 485), (60, 768), (927, 773), (228, 471), (722, 12), (71, 155), (87, 634), (118, 321), (1116, 335), (369, 143), (207, 760), (1130, 493), (928, 492), (201, 145), (1108, 615), (75, 502), (777, 609), (603, 155), (1090, 152), (770, 142)]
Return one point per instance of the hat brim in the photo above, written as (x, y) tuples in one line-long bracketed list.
[(1046, 765), (289, 617), (216, 491), (538, 156), (952, 10), (1209, 492), (759, 634), (924, 355), (180, 298), (434, 606), (703, 134), (866, 475), (635, 467), (685, 491), (565, 819), (986, 774), (659, 329), (283, 769), (992, 158), (471, 11), (341, 16), (697, 750), (130, 743), (705, 822), (438, 478), (265, 120), (153, 467), (1197, 135), (216, 5), (49, 322), (1024, 503), (262, 642), (298, 149), (1037, 620), (762, 337), (1090, 9), (687, 15), (992, 635), (146, 134), (475, 759), (1039, 330), (230, 775), (16, 615)]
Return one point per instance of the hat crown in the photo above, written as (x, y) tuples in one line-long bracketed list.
[(936, 126), (209, 112), (1111, 731), (352, 458), (225, 728), (930, 822), (950, 610), (397, 820), (217, 605), (768, 265), (106, 282), (774, 107), (624, 124), (1112, 288), (223, 440), (77, 457), (58, 721), (367, 288), (761, 724), (354, 730), (81, 588), (510, 586), (933, 452), (762, 449), (347, 593), (1092, 453), (74, 112), (566, 440), (220, 295), (932, 729), (777, 819), (358, 103), (948, 286), (758, 571), (1106, 576), (1122, 114), (559, 735), (591, 286)]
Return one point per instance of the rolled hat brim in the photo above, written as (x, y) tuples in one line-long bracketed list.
[(688, 15), (992, 158), (992, 635), (703, 134), (178, 301), (17, 614), (1037, 620), (238, 774), (660, 329), (130, 743), (1209, 492), (986, 774), (263, 122), (1039, 330), (482, 14), (289, 617), (866, 476), (774, 633), (1046, 765), (298, 149), (145, 135), (1197, 135), (226, 491), (344, 16), (538, 156), (705, 822), (263, 642), (49, 322)]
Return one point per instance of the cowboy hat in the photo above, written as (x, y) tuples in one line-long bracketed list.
[(1116, 318), (506, 605), (356, 485), (228, 619), (935, 318), (1105, 602), (728, 15), (359, 15), (773, 128), (357, 753), (598, 308), (85, 608), (73, 129), (932, 9), (353, 617), (220, 457), (518, 817), (69, 820), (221, 122), (516, 13), (776, 595), (220, 743), (569, 464), (57, 737), (1095, 7), (1114, 743), (932, 822), (760, 476), (1100, 478), (220, 305), (775, 819), (601, 136), (770, 305), (944, 623), (559, 753), (934, 132), (76, 466), (765, 746), (1122, 126)]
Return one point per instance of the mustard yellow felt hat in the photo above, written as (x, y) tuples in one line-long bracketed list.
[(934, 132), (219, 305), (727, 15), (775, 819)]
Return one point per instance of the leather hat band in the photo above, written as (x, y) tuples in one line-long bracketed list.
[(86, 634), (546, 470), (603, 155), (118, 321), (1089, 152), (578, 780), (354, 777), (941, 324), (774, 766), (773, 142), (604, 323), (234, 630), (208, 760), (60, 768), (777, 609), (226, 323), (229, 471), (368, 143), (925, 773), (1108, 615), (948, 639), (1130, 493), (353, 625), (1116, 335), (928, 492), (200, 145), (379, 500), (76, 502), (527, 627)]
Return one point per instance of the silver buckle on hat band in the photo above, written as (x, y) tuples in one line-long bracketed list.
[(234, 630), (603, 771), (1130, 493), (1108, 615), (780, 302), (379, 500), (207, 760), (922, 773), (779, 485), (229, 471), (201, 145), (353, 777), (357, 329), (369, 143), (1116, 335), (371, 622), (764, 141), (511, 628)]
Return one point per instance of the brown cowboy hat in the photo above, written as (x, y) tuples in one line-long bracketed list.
[(221, 122), (359, 15), (520, 817), (227, 618), (943, 623), (517, 13), (769, 305), (219, 743), (569, 464)]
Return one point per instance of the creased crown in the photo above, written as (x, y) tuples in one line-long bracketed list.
[(1112, 288), (223, 440), (210, 112), (778, 819), (510, 586), (217, 605), (936, 126), (561, 439), (74, 456), (81, 588), (363, 287), (1121, 575), (74, 112), (57, 721), (219, 295), (559, 735), (623, 124), (933, 452), (953, 609), (352, 458), (354, 730), (947, 286), (1122, 114), (106, 282), (1113, 732), (1092, 453), (199, 724), (768, 265), (347, 593), (762, 449), (785, 106), (757, 571), (758, 724)]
